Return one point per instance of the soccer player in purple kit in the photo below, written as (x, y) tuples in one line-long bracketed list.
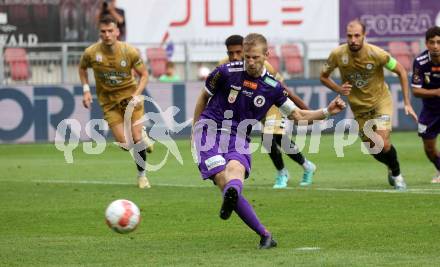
[(274, 129), (426, 85), (237, 95)]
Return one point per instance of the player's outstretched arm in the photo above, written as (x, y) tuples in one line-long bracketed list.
[(296, 99), (335, 106)]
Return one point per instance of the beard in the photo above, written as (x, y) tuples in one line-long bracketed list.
[(254, 72), (354, 48)]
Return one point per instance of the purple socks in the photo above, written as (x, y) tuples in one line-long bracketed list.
[(235, 183), (245, 210)]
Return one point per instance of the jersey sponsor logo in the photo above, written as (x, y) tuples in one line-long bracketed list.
[(123, 63), (344, 59), (259, 101), (270, 82), (214, 162), (435, 69), (247, 93), (358, 79), (360, 83), (250, 85)]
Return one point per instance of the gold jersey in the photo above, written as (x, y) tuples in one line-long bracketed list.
[(274, 122), (112, 71), (364, 72)]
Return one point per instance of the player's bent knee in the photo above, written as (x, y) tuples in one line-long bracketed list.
[(234, 165)]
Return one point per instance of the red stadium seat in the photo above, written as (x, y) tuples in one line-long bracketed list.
[(401, 51), (157, 59), (18, 63), (292, 57), (273, 58), (415, 48)]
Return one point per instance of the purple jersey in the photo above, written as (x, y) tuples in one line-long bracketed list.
[(426, 75), (249, 99), (231, 88)]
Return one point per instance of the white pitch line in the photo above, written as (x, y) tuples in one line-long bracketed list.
[(308, 249), (424, 191)]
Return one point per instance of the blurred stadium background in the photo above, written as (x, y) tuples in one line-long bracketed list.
[(41, 43)]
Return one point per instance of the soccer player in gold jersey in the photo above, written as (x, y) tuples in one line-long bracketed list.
[(274, 123), (112, 62), (361, 66)]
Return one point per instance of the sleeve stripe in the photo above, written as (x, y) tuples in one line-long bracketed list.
[(416, 85), (209, 92)]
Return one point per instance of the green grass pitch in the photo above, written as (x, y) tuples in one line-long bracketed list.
[(52, 213)]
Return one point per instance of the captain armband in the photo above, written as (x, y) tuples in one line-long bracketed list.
[(288, 107), (391, 64)]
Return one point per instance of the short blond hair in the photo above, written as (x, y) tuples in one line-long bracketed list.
[(254, 39)]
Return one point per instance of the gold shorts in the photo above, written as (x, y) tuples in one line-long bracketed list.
[(381, 114), (115, 115), (274, 122)]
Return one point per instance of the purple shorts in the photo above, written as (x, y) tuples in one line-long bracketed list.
[(215, 147), (429, 125)]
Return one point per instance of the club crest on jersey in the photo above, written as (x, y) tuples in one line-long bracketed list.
[(259, 101), (344, 59), (232, 95), (98, 58), (123, 63), (250, 85), (369, 66)]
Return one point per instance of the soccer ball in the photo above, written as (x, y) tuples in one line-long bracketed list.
[(122, 216)]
